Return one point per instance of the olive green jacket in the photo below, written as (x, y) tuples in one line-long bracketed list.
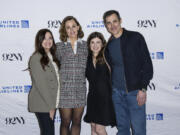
[(43, 94)]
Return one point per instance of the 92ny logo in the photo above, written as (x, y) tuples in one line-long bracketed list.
[(152, 86), (14, 120), (54, 23), (12, 57), (147, 23), (157, 116), (177, 87)]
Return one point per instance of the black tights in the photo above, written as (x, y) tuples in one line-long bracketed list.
[(69, 115)]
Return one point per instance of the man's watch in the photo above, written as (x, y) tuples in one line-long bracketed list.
[(144, 90)]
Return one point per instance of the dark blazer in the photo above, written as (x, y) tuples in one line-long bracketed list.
[(43, 94), (136, 58)]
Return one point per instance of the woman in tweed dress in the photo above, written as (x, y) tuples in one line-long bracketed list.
[(72, 53)]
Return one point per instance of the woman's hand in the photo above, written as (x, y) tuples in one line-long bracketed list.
[(51, 114)]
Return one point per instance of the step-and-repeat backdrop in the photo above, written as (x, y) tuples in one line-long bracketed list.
[(157, 20)]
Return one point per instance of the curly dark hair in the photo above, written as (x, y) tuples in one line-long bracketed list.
[(40, 36), (100, 57), (62, 30)]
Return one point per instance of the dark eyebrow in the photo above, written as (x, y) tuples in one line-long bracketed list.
[(108, 22)]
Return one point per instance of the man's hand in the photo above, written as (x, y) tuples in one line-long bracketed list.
[(141, 98)]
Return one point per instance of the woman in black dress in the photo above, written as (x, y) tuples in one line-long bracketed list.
[(100, 111)]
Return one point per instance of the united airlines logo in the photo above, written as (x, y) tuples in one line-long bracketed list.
[(96, 24), (157, 55), (57, 119), (15, 89), (24, 24), (27, 88), (157, 116), (177, 25), (14, 24)]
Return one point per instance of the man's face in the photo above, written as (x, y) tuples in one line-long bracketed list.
[(113, 25)]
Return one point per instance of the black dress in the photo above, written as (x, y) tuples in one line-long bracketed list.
[(99, 102)]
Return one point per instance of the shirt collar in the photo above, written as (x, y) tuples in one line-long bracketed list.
[(68, 41)]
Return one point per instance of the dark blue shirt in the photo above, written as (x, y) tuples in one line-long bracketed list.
[(118, 76)]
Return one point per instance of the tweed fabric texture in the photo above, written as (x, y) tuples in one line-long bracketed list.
[(72, 72)]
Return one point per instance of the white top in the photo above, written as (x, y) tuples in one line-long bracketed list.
[(57, 75), (75, 44)]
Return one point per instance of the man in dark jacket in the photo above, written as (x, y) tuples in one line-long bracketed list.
[(131, 69)]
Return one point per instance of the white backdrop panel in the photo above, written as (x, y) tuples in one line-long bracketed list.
[(157, 20)]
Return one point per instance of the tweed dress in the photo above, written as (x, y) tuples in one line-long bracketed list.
[(72, 72)]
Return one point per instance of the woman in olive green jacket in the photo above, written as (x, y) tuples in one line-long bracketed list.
[(44, 70)]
